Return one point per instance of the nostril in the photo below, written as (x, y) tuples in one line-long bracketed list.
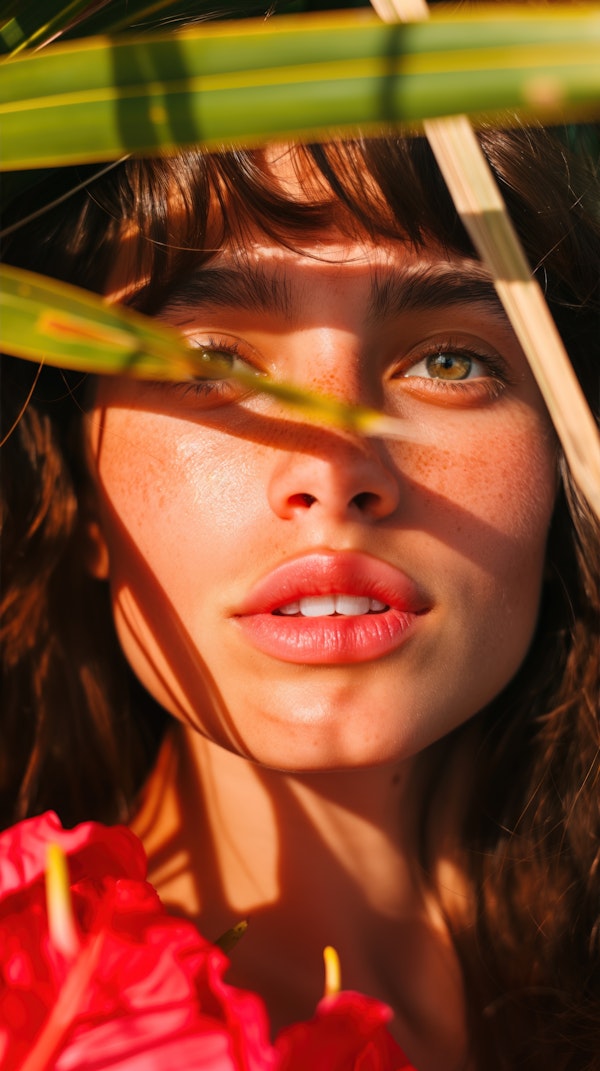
[(302, 499), (345, 483), (365, 501)]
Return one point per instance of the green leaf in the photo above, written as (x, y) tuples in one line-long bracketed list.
[(66, 327), (50, 20), (33, 23), (245, 82), (43, 318)]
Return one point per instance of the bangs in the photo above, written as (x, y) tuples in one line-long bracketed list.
[(188, 208), (150, 221)]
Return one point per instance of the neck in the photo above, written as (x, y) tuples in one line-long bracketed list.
[(310, 860)]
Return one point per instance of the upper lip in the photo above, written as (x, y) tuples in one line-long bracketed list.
[(331, 572)]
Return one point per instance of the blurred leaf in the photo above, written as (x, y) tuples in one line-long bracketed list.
[(73, 328), (66, 327), (33, 23), (22, 18), (25, 23), (170, 14), (293, 76), (49, 27)]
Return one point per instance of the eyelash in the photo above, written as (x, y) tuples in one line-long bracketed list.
[(230, 347), (492, 384)]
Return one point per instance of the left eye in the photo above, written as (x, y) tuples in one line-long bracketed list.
[(218, 357), (448, 366), (224, 370), (214, 362)]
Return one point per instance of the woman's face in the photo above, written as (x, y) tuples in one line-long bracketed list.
[(299, 594)]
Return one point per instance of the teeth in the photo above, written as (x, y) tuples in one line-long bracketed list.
[(291, 608), (317, 606), (350, 605), (326, 605)]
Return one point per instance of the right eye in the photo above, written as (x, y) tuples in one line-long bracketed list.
[(215, 358)]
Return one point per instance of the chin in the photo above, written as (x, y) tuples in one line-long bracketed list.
[(308, 749)]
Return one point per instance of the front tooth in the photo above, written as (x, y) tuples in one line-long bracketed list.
[(291, 608), (375, 604), (352, 605), (317, 605)]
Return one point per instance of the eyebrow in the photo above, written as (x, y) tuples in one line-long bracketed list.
[(249, 287), (427, 287), (419, 287)]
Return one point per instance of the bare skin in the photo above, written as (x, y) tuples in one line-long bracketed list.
[(293, 855), (283, 792)]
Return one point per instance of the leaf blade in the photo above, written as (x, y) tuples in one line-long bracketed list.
[(97, 99), (48, 321)]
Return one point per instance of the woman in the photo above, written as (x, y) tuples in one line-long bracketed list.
[(369, 667)]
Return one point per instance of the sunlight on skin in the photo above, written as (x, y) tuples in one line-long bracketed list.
[(214, 511), (468, 520), (451, 504)]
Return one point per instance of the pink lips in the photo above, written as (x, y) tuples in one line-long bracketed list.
[(336, 639)]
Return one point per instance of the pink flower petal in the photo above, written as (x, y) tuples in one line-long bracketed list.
[(147, 991), (348, 1033)]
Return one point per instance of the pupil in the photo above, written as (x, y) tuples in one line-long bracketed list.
[(212, 356), (217, 363), (449, 365)]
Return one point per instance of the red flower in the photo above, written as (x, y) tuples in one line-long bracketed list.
[(146, 991), (137, 990), (348, 1033)]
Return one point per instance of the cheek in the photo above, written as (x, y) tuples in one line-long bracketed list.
[(486, 510), (514, 480), (159, 511), (486, 494), (495, 487), (164, 489)]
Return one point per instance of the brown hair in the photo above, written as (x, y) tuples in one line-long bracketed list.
[(78, 733)]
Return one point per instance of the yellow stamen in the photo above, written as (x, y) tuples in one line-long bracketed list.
[(61, 920), (228, 940), (333, 974)]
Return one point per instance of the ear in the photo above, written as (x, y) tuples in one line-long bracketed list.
[(95, 554)]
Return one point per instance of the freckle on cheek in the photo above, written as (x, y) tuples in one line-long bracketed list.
[(508, 480), (429, 463), (516, 481)]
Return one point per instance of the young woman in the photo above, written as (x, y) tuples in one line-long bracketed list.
[(343, 687)]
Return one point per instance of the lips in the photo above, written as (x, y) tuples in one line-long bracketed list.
[(331, 608)]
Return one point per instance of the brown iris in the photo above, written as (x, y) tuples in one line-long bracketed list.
[(449, 365)]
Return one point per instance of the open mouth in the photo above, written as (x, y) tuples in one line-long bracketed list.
[(332, 608), (332, 605)]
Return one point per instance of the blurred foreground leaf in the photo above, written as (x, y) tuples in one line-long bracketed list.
[(302, 76), (44, 320)]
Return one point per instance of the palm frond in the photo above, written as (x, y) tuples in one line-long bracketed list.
[(296, 76)]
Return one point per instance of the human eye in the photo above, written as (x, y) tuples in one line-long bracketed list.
[(455, 371), (224, 366)]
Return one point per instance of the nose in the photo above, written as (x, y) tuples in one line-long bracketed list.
[(340, 477)]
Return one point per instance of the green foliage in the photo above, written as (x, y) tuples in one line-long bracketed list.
[(142, 88), (299, 76)]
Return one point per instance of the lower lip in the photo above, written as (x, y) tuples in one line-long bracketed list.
[(328, 641)]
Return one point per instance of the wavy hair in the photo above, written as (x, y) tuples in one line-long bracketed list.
[(79, 734)]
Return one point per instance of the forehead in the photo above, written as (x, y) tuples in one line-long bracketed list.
[(392, 277), (304, 225)]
